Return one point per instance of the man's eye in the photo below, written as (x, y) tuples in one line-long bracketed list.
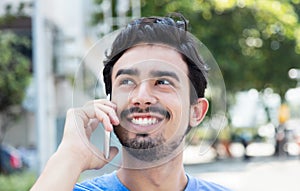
[(126, 82), (163, 82)]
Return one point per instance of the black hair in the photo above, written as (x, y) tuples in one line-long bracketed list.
[(166, 31)]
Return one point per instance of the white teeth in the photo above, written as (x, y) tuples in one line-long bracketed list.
[(144, 121)]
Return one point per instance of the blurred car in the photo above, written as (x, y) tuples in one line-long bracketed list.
[(10, 160), (292, 134)]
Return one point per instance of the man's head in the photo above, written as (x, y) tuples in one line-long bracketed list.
[(157, 80), (166, 31)]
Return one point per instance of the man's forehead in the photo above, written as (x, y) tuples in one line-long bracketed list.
[(145, 57)]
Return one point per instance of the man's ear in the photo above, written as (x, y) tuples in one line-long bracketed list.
[(198, 111)]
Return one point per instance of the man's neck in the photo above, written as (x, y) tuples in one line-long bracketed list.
[(167, 176)]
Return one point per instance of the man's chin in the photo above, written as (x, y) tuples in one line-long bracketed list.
[(148, 147), (145, 149), (147, 155), (144, 142)]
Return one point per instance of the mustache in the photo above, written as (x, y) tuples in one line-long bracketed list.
[(150, 109)]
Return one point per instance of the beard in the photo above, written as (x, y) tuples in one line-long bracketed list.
[(147, 148), (144, 146)]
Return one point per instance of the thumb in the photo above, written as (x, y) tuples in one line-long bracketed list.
[(113, 151), (99, 160)]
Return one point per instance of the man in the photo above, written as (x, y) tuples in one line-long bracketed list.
[(156, 80)]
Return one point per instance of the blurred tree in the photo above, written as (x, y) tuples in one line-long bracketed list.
[(14, 76), (255, 42), (14, 72)]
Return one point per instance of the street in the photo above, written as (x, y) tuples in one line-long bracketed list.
[(256, 174)]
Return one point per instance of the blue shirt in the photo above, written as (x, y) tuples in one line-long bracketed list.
[(110, 182)]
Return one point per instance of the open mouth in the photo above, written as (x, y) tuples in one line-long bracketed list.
[(145, 121)]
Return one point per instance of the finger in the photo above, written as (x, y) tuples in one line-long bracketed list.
[(76, 118), (92, 110), (110, 112), (102, 102), (109, 104), (93, 123), (104, 118)]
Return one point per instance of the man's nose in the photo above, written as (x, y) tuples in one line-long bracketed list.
[(142, 95)]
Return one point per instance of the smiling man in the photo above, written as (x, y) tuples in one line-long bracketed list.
[(156, 79), (149, 85)]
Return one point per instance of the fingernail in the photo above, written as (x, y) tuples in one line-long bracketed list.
[(116, 119), (111, 127)]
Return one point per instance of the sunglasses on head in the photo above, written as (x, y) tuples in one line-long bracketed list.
[(173, 19)]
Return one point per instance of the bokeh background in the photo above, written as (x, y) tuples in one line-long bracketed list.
[(43, 51)]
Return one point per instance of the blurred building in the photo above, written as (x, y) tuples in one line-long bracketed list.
[(67, 63)]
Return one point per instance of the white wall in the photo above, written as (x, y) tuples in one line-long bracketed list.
[(21, 133)]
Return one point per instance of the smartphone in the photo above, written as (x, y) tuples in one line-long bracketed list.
[(107, 138), (106, 144)]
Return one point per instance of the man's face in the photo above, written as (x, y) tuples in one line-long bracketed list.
[(150, 87)]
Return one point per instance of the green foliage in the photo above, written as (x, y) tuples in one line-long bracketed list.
[(14, 69), (255, 42), (11, 15), (14, 66), (17, 182)]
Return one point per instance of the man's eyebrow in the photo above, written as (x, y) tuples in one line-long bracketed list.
[(127, 71), (158, 73)]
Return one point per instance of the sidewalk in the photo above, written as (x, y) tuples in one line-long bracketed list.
[(257, 174)]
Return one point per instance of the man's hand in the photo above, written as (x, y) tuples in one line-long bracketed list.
[(76, 153), (80, 124)]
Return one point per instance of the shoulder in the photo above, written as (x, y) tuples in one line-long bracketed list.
[(199, 184), (102, 183)]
